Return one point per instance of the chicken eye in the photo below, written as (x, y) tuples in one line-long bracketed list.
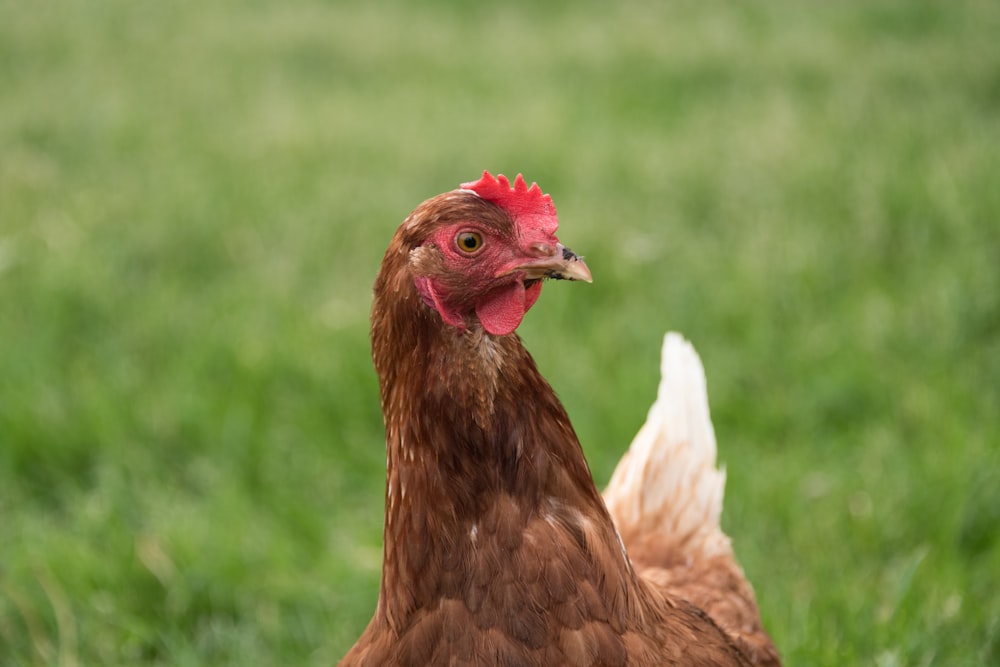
[(469, 242)]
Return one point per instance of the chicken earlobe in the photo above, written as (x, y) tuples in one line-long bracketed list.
[(425, 286)]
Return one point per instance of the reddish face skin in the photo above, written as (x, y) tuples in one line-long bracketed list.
[(499, 270), (477, 255)]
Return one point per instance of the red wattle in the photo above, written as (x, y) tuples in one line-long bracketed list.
[(531, 295), (502, 310)]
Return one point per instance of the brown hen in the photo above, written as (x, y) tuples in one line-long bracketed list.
[(499, 549)]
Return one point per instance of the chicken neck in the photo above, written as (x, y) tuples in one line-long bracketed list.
[(480, 453)]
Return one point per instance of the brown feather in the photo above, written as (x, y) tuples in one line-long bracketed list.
[(499, 549)]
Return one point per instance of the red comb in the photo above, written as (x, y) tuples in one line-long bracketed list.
[(527, 206)]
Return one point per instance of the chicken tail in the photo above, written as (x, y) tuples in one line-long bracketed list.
[(665, 497), (667, 485)]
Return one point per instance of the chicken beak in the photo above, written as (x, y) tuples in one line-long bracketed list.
[(559, 263)]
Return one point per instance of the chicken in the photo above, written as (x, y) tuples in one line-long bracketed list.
[(498, 547)]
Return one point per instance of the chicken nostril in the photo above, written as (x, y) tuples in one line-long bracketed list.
[(542, 249)]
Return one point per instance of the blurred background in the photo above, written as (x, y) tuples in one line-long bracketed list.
[(194, 201)]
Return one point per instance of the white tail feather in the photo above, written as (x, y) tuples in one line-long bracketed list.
[(667, 482)]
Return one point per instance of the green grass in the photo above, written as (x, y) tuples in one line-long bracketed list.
[(194, 199)]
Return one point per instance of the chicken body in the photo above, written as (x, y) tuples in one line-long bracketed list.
[(499, 549)]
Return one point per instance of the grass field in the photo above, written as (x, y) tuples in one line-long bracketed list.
[(194, 200)]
